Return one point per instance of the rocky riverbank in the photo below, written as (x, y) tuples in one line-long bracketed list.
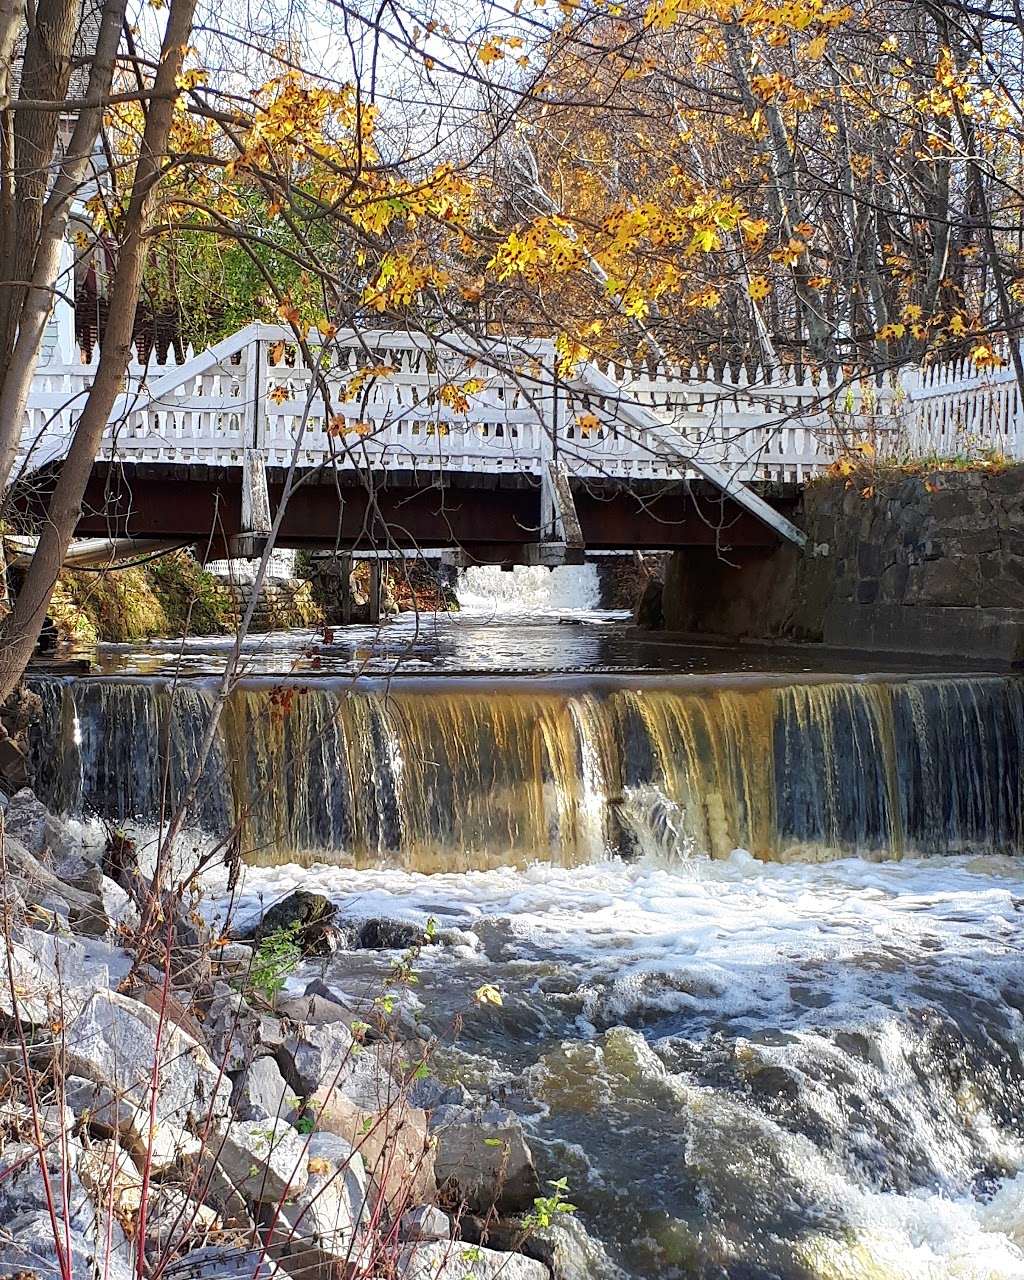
[(165, 1108)]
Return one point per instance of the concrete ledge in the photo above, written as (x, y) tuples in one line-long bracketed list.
[(982, 634)]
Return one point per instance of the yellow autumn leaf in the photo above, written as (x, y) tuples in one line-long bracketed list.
[(490, 53), (817, 47), (983, 356), (587, 422), (487, 994), (759, 288), (865, 448)]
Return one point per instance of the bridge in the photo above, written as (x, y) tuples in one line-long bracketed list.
[(405, 441)]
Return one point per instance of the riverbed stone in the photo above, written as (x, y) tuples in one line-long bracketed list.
[(314, 1056), (325, 1219), (430, 1093), (55, 976), (264, 1092), (265, 1159), (453, 1260), (114, 1040), (392, 1140), (483, 1160), (380, 934), (428, 1222)]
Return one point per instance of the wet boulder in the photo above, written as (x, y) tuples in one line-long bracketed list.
[(391, 935), (482, 1160), (650, 610), (306, 917)]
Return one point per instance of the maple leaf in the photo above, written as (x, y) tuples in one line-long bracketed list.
[(277, 352), (587, 422), (279, 394), (888, 332), (490, 53), (984, 356), (759, 288), (288, 312)]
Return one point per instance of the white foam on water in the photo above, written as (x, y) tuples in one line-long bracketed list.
[(486, 589), (779, 958), (740, 931)]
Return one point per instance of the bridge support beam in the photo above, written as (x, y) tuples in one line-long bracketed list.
[(561, 536), (256, 522), (376, 583)]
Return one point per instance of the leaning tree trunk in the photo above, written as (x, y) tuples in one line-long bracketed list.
[(20, 629), (16, 383)]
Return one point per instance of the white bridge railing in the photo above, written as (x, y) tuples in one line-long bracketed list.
[(401, 401)]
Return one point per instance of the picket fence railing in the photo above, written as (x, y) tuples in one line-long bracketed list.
[(434, 403)]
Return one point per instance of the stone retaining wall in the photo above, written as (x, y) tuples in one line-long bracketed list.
[(929, 563)]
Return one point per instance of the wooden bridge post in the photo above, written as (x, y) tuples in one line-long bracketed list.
[(345, 568), (375, 588), (256, 520)]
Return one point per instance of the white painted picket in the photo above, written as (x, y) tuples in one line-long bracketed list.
[(250, 392)]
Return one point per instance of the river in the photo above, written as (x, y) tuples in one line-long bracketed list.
[(756, 917)]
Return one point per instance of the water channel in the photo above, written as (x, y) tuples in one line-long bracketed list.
[(756, 917)]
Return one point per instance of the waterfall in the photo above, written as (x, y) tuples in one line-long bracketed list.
[(530, 590), (476, 773)]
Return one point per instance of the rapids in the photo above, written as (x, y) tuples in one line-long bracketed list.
[(758, 928)]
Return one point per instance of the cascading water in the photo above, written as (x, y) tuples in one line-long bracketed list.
[(529, 590), (749, 1062), (461, 773)]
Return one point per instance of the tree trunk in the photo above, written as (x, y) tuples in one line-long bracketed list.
[(20, 629), (38, 305), (45, 73), (12, 19)]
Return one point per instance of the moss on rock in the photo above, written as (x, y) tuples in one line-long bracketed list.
[(170, 596)]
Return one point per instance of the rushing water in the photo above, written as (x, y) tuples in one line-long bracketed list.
[(759, 934)]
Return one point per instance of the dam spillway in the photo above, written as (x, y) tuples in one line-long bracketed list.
[(460, 773)]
